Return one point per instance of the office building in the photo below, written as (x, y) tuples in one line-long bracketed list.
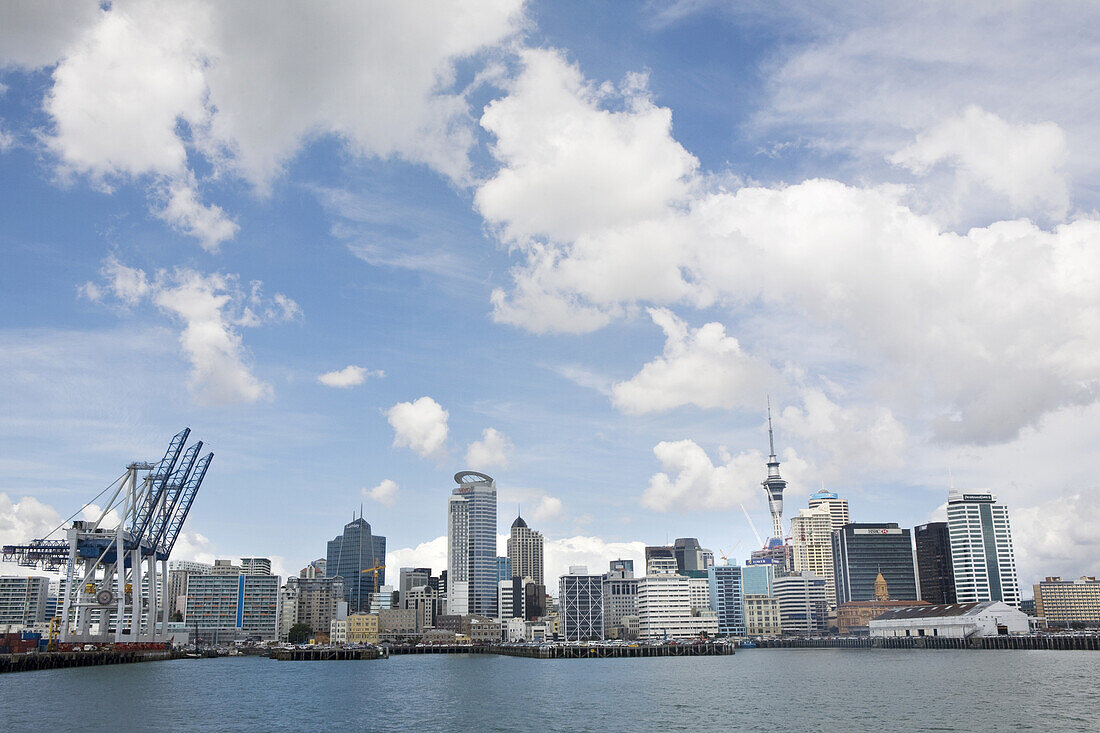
[(535, 603), (23, 600), (353, 555), (525, 547), (690, 556), (472, 545), (959, 621), (1068, 602), (863, 550), (762, 616), (620, 596), (422, 599), (774, 485), (778, 553), (580, 598), (665, 609), (757, 577), (288, 608), (316, 601), (409, 578), (362, 628), (802, 605), (384, 598), (660, 559), (726, 594), (510, 599), (255, 566), (834, 505), (982, 559), (935, 576), (504, 569), (812, 547), (222, 607)]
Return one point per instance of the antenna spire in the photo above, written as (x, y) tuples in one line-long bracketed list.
[(771, 437)]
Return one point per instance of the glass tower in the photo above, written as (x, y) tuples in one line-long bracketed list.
[(472, 545), (349, 554), (982, 559)]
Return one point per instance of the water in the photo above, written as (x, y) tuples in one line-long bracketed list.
[(755, 690)]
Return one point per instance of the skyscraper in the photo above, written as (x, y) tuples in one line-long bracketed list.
[(351, 553), (525, 551), (830, 502), (727, 595), (690, 556), (660, 559), (934, 571), (774, 483), (982, 558), (472, 545), (580, 597), (812, 547), (861, 551)]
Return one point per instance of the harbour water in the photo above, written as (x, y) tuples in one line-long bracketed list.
[(755, 690)]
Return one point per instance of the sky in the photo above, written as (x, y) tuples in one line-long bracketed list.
[(358, 247)]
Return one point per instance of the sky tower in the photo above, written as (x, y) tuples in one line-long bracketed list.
[(774, 483)]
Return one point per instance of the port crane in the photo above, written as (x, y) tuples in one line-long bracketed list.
[(110, 582)]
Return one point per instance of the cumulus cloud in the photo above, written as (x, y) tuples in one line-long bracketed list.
[(25, 520), (431, 554), (700, 366), (139, 88), (195, 547), (384, 493), (1056, 537), (1025, 163), (349, 376), (420, 425), (535, 504), (492, 450), (212, 309)]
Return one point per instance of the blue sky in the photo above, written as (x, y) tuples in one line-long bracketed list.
[(573, 245)]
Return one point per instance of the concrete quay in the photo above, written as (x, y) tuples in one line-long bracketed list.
[(1036, 642), (58, 660)]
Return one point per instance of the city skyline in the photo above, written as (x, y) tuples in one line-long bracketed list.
[(574, 247)]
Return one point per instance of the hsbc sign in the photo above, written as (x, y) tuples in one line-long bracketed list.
[(876, 531)]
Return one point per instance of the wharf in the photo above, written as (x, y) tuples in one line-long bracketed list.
[(326, 654), (596, 651), (1039, 641), (58, 660)]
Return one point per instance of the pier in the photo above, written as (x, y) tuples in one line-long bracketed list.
[(1036, 642), (327, 654), (596, 651), (58, 660)]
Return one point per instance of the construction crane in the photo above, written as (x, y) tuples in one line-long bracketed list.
[(110, 582), (374, 570), (752, 526)]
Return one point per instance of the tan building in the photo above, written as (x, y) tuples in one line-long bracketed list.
[(854, 617), (762, 616), (812, 547), (1065, 602), (362, 628), (398, 622)]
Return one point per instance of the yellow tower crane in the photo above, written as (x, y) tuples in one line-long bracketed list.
[(375, 570)]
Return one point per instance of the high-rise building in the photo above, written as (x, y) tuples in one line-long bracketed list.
[(23, 599), (812, 547), (1068, 602), (421, 599), (936, 578), (620, 594), (525, 551), (660, 559), (255, 566), (757, 577), (352, 552), (178, 572), (317, 601), (802, 605), (982, 557), (830, 502), (863, 550), (665, 609), (409, 578), (223, 607), (288, 608), (774, 484), (472, 546), (504, 569), (778, 553), (727, 596), (580, 599), (690, 556)]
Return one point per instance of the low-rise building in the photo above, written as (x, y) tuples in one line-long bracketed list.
[(1068, 602), (957, 620), (222, 607), (665, 609), (762, 615), (362, 628), (395, 623)]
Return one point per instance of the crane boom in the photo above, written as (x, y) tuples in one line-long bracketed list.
[(187, 497), (752, 526), (172, 494), (157, 481)]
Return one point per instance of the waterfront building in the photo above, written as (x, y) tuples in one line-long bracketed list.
[(316, 603), (982, 557), (726, 595), (472, 545), (508, 592), (802, 605), (665, 609), (852, 618), (525, 548), (255, 566), (757, 577), (580, 599), (504, 569), (178, 572), (958, 620), (23, 599), (482, 630), (778, 553), (762, 617), (424, 600), (620, 596), (352, 552), (690, 556), (338, 631), (699, 587), (1068, 602), (535, 603), (384, 598), (774, 485), (863, 550), (398, 623), (288, 608), (935, 576), (409, 578), (830, 502), (222, 607), (660, 559), (812, 547)]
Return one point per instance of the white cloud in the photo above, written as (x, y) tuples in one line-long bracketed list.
[(492, 450), (195, 547), (384, 493), (420, 425), (34, 33), (349, 376), (185, 213), (535, 504), (701, 366), (1025, 163), (1056, 537), (25, 520), (213, 308), (431, 554)]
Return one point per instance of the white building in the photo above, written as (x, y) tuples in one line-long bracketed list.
[(958, 620), (580, 602), (515, 629), (525, 551), (23, 599), (288, 609), (830, 502), (812, 546), (665, 609), (620, 595), (982, 557), (802, 605), (700, 594)]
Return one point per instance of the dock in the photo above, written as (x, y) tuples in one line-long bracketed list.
[(597, 651), (326, 654), (59, 660), (1051, 642)]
